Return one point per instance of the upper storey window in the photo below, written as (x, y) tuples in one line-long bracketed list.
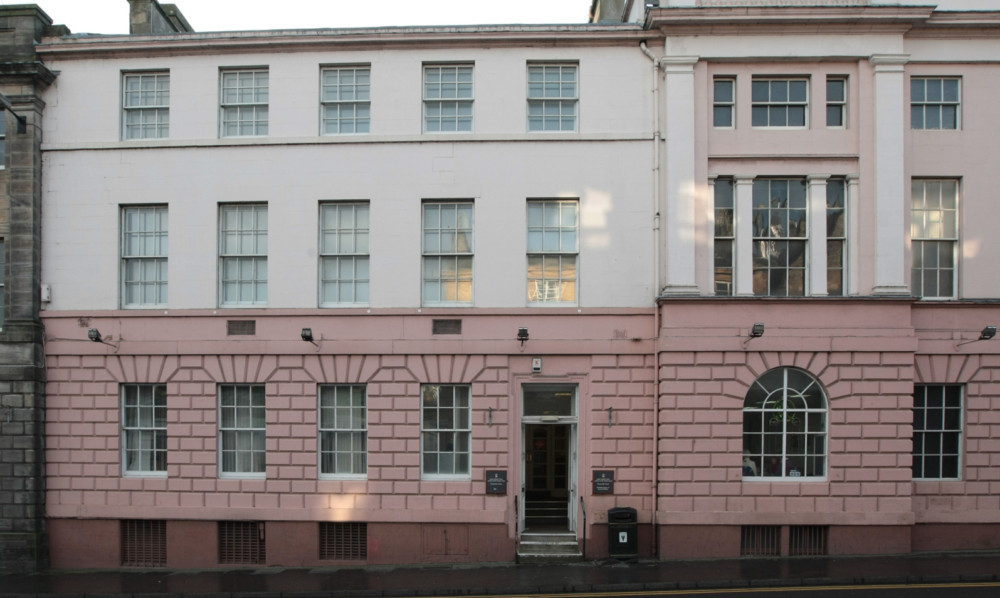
[(344, 261), (243, 97), (553, 249), (552, 97), (934, 237), (144, 256), (448, 98), (780, 102), (145, 105), (724, 102), (346, 99), (836, 102), (935, 102), (243, 255), (779, 237), (447, 253)]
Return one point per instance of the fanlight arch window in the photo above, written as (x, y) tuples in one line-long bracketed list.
[(785, 426)]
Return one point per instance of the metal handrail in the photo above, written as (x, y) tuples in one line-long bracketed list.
[(517, 522), (583, 507)]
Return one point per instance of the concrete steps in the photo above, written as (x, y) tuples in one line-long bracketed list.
[(548, 547)]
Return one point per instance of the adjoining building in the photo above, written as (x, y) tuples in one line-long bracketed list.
[(718, 271), (23, 79)]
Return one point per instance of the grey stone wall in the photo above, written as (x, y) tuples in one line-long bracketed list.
[(23, 545)]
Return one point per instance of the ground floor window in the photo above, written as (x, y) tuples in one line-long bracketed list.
[(446, 430), (937, 431), (784, 426)]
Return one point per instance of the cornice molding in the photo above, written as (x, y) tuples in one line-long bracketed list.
[(342, 39), (749, 19)]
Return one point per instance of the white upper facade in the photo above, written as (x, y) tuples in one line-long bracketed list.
[(195, 169), (201, 128)]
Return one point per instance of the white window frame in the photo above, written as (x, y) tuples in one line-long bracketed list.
[(720, 104), (724, 234), (144, 422), (768, 242), (151, 106), (448, 96), (448, 246), (781, 403), (553, 235), (924, 219), (146, 249), (243, 102), (835, 211), (243, 244), (775, 100), (921, 103), (433, 433), (926, 424), (344, 264), (345, 99), (340, 432), (834, 105), (553, 97), (236, 426)]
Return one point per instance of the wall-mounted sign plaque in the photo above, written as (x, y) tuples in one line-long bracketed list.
[(604, 481), (496, 481)]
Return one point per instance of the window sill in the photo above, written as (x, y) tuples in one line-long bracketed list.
[(145, 474), (764, 479), (242, 476), (440, 477)]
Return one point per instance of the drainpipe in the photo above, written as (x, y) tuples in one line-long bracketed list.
[(657, 136)]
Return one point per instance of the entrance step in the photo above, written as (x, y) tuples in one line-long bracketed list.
[(548, 547), (545, 513)]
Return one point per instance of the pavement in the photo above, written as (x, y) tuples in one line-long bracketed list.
[(507, 578)]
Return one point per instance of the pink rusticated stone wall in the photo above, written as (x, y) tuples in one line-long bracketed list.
[(861, 354), (964, 513), (84, 470)]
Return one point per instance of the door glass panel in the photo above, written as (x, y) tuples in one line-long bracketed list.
[(547, 400)]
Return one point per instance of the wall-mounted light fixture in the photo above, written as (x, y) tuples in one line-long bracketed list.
[(307, 335), (22, 122), (94, 335), (611, 416), (756, 331), (985, 334), (522, 335)]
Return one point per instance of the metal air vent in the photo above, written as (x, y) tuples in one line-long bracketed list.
[(143, 543)]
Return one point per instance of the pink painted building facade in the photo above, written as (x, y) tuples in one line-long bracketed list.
[(454, 294)]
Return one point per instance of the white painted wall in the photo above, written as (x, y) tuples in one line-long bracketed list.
[(89, 174)]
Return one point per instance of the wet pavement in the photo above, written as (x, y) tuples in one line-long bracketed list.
[(506, 578)]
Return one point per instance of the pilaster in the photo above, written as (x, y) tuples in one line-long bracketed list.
[(679, 164), (890, 183)]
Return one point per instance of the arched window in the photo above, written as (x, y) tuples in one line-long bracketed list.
[(784, 426)]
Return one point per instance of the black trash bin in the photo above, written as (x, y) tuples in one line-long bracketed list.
[(623, 533)]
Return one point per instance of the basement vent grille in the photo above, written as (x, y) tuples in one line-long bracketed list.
[(760, 540), (343, 541), (241, 327), (143, 543), (807, 540), (241, 543), (447, 327)]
